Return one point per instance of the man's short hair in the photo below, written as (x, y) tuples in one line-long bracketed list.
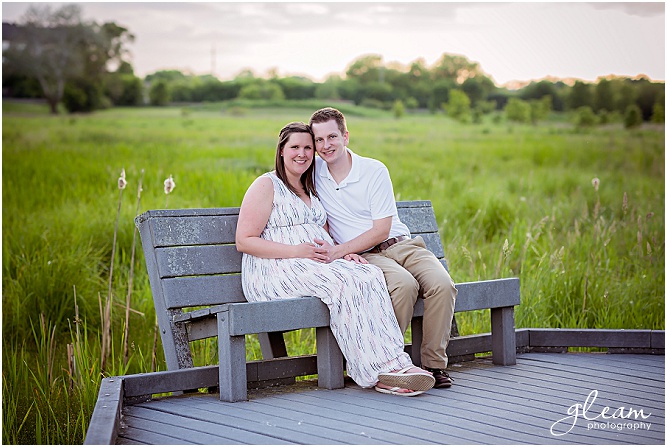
[(328, 114)]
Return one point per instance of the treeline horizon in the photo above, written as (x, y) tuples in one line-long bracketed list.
[(86, 67)]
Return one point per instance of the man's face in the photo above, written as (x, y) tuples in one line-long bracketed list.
[(329, 142)]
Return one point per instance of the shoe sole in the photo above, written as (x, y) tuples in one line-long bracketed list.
[(396, 393), (415, 381)]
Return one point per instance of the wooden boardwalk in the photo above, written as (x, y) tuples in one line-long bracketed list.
[(488, 404)]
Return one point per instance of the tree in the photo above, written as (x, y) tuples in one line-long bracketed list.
[(478, 88), (540, 109), (455, 68), (632, 117), (458, 106), (581, 95), (62, 52), (159, 93), (366, 69), (585, 117), (440, 93), (329, 88), (261, 89), (658, 115), (604, 98), (627, 95), (517, 110), (47, 47), (398, 109)]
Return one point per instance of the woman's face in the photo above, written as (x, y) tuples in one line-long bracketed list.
[(298, 153)]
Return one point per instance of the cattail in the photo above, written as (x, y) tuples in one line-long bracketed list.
[(122, 183), (596, 183), (169, 185)]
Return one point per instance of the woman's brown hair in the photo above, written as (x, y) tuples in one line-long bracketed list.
[(308, 177)]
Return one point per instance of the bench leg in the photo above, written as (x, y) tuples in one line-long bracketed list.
[(503, 336), (272, 345), (233, 381), (329, 360)]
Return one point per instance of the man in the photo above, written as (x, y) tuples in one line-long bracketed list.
[(358, 197)]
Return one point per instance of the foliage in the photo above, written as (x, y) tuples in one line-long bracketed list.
[(62, 52), (518, 110), (540, 109), (658, 115), (159, 93), (585, 117), (458, 106), (633, 117), (581, 95), (398, 109), (262, 90), (123, 89)]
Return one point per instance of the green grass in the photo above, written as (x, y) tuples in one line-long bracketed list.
[(510, 200)]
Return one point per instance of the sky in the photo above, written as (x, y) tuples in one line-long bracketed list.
[(519, 41)]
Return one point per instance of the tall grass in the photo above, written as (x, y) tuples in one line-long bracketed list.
[(510, 201)]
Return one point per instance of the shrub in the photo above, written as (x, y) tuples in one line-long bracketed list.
[(517, 110), (585, 117), (633, 117), (398, 109)]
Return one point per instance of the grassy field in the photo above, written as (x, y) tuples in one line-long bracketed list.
[(511, 200)]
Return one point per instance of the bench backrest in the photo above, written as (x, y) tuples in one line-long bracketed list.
[(192, 260)]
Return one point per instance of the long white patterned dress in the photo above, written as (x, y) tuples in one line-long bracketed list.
[(362, 317)]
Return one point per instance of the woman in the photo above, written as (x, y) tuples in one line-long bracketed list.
[(282, 233)]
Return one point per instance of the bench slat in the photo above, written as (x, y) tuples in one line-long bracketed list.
[(273, 316), (202, 291), (195, 230), (479, 295), (198, 260), (223, 259), (419, 220)]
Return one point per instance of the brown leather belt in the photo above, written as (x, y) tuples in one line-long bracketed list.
[(388, 243)]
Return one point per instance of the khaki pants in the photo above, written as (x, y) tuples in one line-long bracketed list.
[(409, 267)]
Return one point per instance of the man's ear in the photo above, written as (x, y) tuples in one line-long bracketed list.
[(346, 137)]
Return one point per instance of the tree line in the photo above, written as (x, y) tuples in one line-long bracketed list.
[(84, 66)]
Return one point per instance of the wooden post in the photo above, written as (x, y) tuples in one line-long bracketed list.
[(503, 336), (329, 360), (233, 380)]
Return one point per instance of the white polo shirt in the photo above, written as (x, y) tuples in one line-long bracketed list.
[(366, 194)]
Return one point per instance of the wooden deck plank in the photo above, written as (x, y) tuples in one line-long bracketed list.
[(244, 427), (134, 435), (561, 395), (213, 410), (192, 429), (316, 418), (648, 365), (436, 419), (488, 404), (346, 415), (569, 380)]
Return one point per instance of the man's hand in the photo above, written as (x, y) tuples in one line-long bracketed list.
[(334, 251), (355, 258)]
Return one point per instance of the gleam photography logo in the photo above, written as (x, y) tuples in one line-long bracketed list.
[(606, 419)]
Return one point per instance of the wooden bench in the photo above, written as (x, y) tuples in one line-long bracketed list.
[(194, 272)]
